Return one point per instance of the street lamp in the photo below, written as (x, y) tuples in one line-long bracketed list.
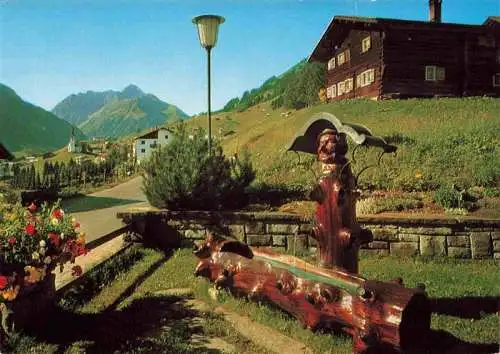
[(208, 27)]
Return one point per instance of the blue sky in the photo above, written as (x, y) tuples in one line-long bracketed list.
[(50, 49)]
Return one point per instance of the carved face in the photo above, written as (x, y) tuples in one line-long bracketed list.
[(326, 147)]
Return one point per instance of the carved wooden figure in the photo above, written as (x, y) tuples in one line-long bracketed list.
[(336, 229), (379, 316)]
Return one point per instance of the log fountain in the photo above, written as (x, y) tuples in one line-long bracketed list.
[(381, 316)]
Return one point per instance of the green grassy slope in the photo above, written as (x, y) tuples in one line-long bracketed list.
[(270, 90), (440, 141), (129, 116), (28, 129)]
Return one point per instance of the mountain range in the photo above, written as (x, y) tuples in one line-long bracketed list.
[(28, 129), (116, 113)]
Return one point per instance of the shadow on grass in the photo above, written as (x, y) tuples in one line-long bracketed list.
[(152, 324), (163, 324), (88, 203)]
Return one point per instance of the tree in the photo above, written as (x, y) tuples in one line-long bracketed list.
[(183, 175)]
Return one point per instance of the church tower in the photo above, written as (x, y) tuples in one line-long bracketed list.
[(72, 141)]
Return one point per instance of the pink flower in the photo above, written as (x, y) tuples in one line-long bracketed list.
[(54, 238), (12, 240), (58, 213), (30, 229)]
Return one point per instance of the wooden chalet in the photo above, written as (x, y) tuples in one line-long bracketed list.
[(389, 58), (5, 154)]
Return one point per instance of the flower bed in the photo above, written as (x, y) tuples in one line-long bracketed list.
[(33, 242)]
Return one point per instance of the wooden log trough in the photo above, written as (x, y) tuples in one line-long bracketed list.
[(381, 316)]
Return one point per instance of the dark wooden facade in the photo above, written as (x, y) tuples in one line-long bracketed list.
[(467, 57)]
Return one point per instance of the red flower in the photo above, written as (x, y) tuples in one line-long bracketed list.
[(58, 214), (30, 229), (12, 240), (76, 271), (3, 281), (32, 207), (54, 238)]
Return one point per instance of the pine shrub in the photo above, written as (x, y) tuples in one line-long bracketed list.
[(183, 175)]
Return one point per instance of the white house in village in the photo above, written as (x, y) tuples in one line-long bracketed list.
[(145, 144)]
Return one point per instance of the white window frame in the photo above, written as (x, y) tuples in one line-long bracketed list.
[(348, 85), (331, 91), (430, 73), (365, 78), (340, 88), (341, 59), (331, 64), (366, 44), (496, 80), (435, 73)]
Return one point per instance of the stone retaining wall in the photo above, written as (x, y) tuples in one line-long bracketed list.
[(466, 238)]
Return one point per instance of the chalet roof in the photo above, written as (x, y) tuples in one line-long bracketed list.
[(4, 153), (493, 22), (340, 26), (152, 134)]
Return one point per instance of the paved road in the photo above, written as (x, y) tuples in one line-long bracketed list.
[(96, 212)]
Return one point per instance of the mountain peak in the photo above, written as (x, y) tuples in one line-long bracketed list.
[(131, 91)]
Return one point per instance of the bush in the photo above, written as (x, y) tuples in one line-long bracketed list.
[(183, 175), (448, 197), (8, 195)]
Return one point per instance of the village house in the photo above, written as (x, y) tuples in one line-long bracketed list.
[(145, 144), (6, 164), (389, 58)]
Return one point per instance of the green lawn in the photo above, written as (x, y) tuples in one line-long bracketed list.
[(131, 300), (440, 141)]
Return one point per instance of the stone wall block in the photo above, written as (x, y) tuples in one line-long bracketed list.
[(426, 230), (432, 245), (297, 242), (259, 240), (305, 228), (495, 235), (496, 255), (378, 245), (194, 234), (458, 241), (237, 231), (282, 229), (480, 244), (459, 252), (280, 240), (256, 228), (409, 237), (496, 246), (404, 249), (384, 234)]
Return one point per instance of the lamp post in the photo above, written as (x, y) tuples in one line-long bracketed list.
[(208, 27)]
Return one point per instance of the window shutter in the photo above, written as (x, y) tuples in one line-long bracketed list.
[(441, 74), (331, 64), (430, 73)]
